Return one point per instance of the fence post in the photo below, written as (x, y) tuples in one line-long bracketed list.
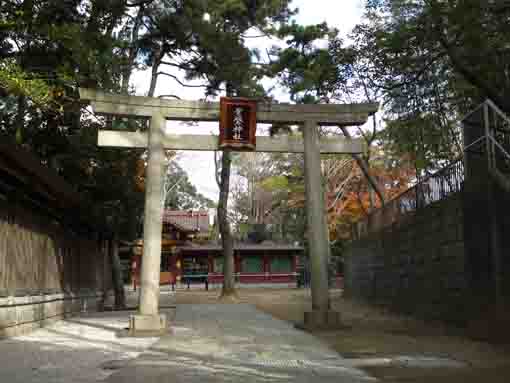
[(492, 208)]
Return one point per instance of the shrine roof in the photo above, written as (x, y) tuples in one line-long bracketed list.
[(243, 246), (27, 168), (188, 220)]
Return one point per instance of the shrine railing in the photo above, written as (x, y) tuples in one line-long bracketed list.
[(433, 188)]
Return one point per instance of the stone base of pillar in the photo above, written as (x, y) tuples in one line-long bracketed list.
[(147, 325), (322, 320)]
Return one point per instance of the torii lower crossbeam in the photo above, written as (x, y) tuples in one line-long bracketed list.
[(282, 144), (159, 110)]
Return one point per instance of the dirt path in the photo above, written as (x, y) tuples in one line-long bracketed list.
[(374, 334)]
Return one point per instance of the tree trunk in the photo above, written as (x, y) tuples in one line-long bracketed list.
[(224, 226), (118, 283), (20, 120), (365, 169), (132, 52), (227, 241), (158, 56)]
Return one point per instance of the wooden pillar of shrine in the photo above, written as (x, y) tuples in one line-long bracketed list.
[(265, 258)]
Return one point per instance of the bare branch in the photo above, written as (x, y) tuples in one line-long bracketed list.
[(363, 134), (337, 166), (341, 190), (365, 168), (180, 66), (253, 37), (139, 3), (360, 200), (180, 82)]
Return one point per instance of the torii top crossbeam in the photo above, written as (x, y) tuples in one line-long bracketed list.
[(148, 107), (139, 106)]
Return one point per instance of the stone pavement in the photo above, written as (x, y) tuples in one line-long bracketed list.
[(208, 343), (236, 343), (81, 349)]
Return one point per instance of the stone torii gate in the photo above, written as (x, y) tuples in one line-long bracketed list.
[(149, 320)]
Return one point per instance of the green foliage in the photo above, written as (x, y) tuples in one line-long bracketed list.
[(310, 72), (184, 195), (434, 61), (15, 81), (48, 49), (222, 55), (425, 142), (274, 183)]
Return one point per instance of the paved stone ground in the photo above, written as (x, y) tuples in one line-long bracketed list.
[(208, 343), (236, 343), (81, 349)]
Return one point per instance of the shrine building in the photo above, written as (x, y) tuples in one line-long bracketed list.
[(188, 257)]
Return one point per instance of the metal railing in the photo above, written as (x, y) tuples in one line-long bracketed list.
[(489, 137), (433, 188), (498, 131)]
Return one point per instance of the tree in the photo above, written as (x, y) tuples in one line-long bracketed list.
[(41, 68), (48, 66), (252, 168), (221, 58), (38, 86), (396, 174), (181, 194), (277, 184), (314, 74), (434, 61)]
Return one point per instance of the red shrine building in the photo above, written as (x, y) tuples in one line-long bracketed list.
[(188, 257)]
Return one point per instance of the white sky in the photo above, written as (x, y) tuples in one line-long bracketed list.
[(342, 14)]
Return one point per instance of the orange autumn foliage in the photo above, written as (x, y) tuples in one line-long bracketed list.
[(140, 170), (357, 201)]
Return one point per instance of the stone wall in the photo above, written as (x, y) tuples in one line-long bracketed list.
[(19, 315), (46, 269), (415, 266)]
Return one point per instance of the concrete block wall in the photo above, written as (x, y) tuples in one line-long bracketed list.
[(416, 266)]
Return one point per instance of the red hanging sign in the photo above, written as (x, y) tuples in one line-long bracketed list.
[(238, 123)]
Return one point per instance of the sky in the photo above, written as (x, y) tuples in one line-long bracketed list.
[(342, 14)]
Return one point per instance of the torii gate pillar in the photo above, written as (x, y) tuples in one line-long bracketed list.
[(318, 238), (317, 230), (149, 320)]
